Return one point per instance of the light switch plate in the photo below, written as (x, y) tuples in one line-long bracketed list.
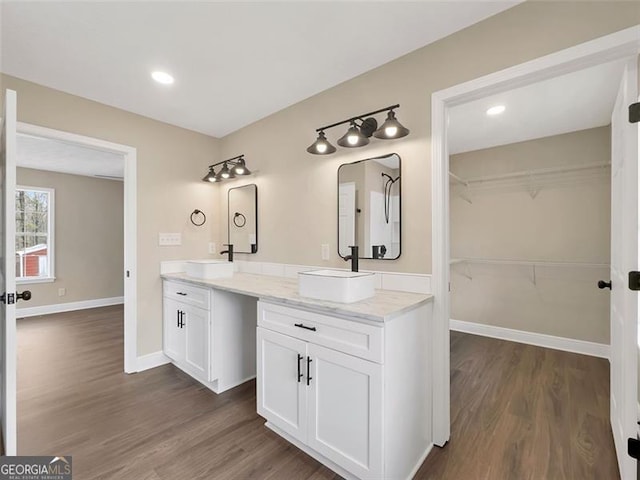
[(212, 248), (169, 239), (325, 251)]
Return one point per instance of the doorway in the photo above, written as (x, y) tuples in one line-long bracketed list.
[(621, 45), (108, 150)]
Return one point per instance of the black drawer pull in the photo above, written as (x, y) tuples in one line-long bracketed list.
[(181, 293), (309, 377), (300, 374), (300, 325)]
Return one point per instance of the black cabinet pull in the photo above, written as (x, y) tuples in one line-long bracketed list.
[(181, 293), (300, 374), (178, 318), (309, 377), (301, 325), (181, 316)]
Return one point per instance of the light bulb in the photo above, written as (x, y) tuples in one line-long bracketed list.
[(162, 77), (352, 139), (321, 148), (497, 110), (391, 131)]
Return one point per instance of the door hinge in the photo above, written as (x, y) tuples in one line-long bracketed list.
[(634, 280), (634, 112), (633, 448)]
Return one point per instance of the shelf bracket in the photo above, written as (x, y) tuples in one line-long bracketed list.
[(467, 271), (533, 188)]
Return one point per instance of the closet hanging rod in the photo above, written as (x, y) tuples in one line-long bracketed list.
[(527, 263), (530, 173)]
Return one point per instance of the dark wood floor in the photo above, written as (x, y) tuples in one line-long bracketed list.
[(523, 412), (518, 412)]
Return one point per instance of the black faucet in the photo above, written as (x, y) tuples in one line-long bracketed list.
[(228, 251), (353, 257)]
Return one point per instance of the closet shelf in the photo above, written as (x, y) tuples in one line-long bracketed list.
[(534, 264), (533, 179), (527, 263)]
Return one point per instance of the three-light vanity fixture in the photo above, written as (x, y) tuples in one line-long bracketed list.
[(230, 168), (358, 134)]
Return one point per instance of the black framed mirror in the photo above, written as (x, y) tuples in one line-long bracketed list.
[(369, 207), (242, 218)]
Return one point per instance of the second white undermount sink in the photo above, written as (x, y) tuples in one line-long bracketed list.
[(336, 285), (209, 269)]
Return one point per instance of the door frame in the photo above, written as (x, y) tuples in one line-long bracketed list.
[(130, 227), (622, 44)]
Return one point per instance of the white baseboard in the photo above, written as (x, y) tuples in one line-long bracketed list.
[(420, 462), (67, 307), (152, 360), (538, 339)]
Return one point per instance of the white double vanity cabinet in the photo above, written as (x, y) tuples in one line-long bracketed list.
[(350, 384)]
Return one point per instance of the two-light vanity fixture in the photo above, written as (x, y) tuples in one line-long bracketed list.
[(230, 168), (358, 134)]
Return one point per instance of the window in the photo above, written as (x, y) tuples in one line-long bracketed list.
[(34, 234)]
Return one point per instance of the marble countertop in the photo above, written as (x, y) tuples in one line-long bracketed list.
[(384, 306)]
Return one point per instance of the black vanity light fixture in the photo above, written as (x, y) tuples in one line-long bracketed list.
[(358, 134), (230, 168)]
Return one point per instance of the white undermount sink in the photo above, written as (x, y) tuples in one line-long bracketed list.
[(209, 269), (336, 285)]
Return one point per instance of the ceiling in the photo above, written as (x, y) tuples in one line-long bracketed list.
[(568, 103), (56, 156), (233, 62)]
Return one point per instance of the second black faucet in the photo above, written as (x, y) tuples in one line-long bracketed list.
[(353, 257), (228, 251)]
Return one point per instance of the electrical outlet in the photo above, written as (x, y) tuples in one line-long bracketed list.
[(169, 239), (212, 248), (325, 251), (62, 292)]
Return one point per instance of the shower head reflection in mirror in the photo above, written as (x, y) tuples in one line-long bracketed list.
[(369, 207)]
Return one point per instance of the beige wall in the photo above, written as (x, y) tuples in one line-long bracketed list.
[(298, 190), (297, 203), (88, 238), (170, 164), (567, 222)]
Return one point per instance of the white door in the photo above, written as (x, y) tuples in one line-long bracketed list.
[(282, 382), (8, 273), (346, 217), (624, 258), (345, 411), (174, 333), (195, 322)]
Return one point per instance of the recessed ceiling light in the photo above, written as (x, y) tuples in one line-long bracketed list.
[(497, 110), (162, 77)]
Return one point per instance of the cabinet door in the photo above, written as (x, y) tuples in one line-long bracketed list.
[(196, 326), (281, 382), (173, 334), (345, 410)]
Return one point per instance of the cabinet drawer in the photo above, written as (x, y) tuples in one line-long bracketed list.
[(358, 339), (182, 292)]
